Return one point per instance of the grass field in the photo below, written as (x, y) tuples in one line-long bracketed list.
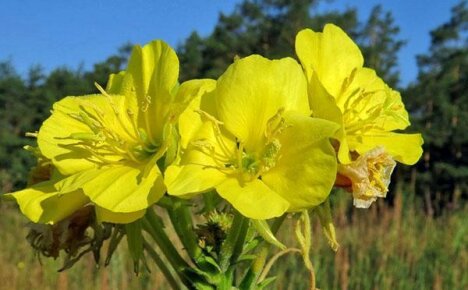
[(382, 248)]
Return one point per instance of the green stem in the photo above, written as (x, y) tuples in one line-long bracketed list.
[(154, 227), (181, 219), (257, 267), (305, 240), (232, 246), (250, 279), (273, 259), (162, 266), (239, 245)]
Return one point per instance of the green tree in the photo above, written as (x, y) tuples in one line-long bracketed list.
[(16, 113), (266, 27), (269, 27), (380, 44), (112, 64), (439, 101)]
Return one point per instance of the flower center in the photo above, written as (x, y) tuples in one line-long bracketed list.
[(236, 160), (113, 134), (364, 109)]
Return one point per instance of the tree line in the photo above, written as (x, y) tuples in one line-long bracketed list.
[(437, 100)]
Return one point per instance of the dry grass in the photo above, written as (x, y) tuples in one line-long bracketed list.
[(382, 248)]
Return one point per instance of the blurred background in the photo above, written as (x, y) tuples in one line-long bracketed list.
[(417, 238)]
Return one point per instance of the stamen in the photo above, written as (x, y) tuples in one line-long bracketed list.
[(217, 131)]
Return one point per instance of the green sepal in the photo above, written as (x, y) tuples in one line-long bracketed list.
[(265, 283), (264, 231), (117, 234), (324, 213), (135, 243)]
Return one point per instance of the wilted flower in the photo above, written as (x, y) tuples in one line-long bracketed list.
[(75, 236), (368, 176)]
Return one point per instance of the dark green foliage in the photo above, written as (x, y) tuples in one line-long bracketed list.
[(439, 101), (266, 27), (16, 117), (269, 28), (380, 44)]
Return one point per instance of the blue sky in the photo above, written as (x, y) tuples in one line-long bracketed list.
[(53, 33)]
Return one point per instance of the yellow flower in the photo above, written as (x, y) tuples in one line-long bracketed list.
[(343, 91), (252, 139), (105, 146)]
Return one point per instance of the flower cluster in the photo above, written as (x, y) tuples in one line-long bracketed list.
[(269, 136)]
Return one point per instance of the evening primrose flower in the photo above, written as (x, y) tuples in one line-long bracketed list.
[(105, 146), (343, 91), (252, 139)]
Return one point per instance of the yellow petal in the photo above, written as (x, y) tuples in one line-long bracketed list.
[(191, 120), (396, 116), (253, 199), (332, 55), (306, 170), (42, 203), (119, 188), (55, 135), (114, 83), (405, 148), (368, 100), (104, 215), (189, 179), (148, 84), (201, 164), (193, 89), (253, 90)]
